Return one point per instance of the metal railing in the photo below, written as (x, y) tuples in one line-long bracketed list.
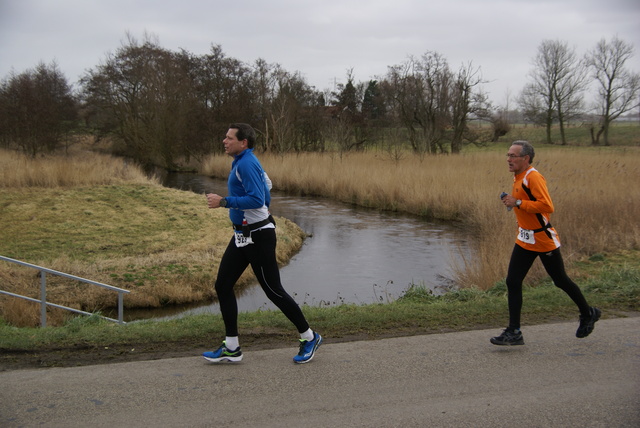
[(43, 292)]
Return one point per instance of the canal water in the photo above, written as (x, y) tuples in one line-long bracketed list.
[(352, 255)]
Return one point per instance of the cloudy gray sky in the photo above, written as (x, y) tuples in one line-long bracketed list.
[(322, 39)]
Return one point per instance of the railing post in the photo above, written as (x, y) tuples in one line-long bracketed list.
[(43, 298), (120, 307)]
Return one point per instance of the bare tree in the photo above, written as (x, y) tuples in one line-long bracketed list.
[(115, 95), (37, 109), (465, 101), (290, 105), (283, 110), (418, 91), (558, 78), (264, 83), (618, 87), (570, 87), (145, 98), (531, 105), (226, 92)]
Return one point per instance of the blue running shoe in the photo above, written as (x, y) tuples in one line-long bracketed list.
[(223, 354), (308, 349)]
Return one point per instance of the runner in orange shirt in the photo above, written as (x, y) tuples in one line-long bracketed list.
[(532, 205)]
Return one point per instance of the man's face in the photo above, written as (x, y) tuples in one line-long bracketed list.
[(517, 163), (233, 146)]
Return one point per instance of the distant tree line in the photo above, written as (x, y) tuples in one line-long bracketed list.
[(162, 107)]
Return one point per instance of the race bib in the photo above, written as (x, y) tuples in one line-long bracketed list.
[(241, 240), (526, 236)]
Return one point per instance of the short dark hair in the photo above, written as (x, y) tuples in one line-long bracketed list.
[(527, 149), (244, 132)]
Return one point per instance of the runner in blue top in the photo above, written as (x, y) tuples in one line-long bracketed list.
[(253, 243)]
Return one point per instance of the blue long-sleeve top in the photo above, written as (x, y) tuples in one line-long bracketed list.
[(249, 195)]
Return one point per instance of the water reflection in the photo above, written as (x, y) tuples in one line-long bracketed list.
[(353, 255)]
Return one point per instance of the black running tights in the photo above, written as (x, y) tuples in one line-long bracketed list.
[(519, 265), (261, 255)]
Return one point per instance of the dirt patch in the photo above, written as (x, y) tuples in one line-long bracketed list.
[(15, 359), (82, 355)]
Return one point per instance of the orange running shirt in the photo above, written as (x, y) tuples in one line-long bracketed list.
[(534, 212)]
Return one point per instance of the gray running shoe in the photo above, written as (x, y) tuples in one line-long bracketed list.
[(587, 323), (508, 337)]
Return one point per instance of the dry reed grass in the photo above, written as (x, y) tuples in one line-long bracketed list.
[(81, 169), (594, 191)]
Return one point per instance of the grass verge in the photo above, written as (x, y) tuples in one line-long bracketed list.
[(611, 282)]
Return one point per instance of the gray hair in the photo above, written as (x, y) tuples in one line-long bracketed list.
[(527, 149)]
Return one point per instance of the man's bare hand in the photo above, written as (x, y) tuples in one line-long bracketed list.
[(509, 201), (214, 200)]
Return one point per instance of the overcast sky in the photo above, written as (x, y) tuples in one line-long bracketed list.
[(322, 39)]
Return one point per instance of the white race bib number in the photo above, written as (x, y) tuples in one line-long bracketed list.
[(241, 240), (526, 236)]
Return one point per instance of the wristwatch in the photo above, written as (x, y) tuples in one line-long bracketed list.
[(223, 202), (518, 203)]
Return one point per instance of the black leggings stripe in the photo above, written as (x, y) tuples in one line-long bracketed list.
[(261, 256), (520, 264)]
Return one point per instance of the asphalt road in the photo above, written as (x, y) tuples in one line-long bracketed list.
[(443, 380)]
